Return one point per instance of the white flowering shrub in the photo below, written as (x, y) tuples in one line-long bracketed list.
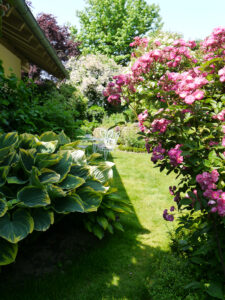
[(90, 74)]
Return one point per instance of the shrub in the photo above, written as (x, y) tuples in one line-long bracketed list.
[(171, 274), (88, 127), (44, 176), (129, 136), (27, 107), (90, 74), (186, 136), (95, 113), (131, 149), (113, 119), (61, 108)]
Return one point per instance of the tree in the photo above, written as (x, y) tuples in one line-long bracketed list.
[(59, 38), (109, 26)]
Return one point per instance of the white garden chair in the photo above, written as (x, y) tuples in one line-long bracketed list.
[(108, 143)]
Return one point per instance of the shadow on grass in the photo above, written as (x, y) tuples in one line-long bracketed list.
[(68, 263)]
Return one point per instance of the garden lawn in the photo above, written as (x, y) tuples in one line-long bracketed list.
[(121, 265)]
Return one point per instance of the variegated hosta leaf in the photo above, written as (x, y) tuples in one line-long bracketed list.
[(48, 176), (8, 158), (43, 219), (15, 180), (70, 146), (47, 147), (98, 231), (4, 152), (8, 252), (46, 160), (27, 140), (68, 204), (64, 165), (55, 192), (80, 171), (71, 182), (17, 226), (103, 172), (79, 157), (92, 158), (102, 222), (63, 139), (96, 186), (48, 136), (31, 196), (8, 139), (34, 180), (3, 174), (90, 198), (3, 207), (27, 159)]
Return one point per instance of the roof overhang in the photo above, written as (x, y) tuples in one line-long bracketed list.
[(22, 35)]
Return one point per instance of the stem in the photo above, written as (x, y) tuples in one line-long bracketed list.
[(134, 110), (220, 250)]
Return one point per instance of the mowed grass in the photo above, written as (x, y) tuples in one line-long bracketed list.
[(117, 266)]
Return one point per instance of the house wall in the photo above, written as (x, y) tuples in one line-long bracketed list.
[(11, 63)]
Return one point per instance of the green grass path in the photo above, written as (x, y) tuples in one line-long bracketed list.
[(117, 266)]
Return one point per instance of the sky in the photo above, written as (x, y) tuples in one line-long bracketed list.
[(194, 19)]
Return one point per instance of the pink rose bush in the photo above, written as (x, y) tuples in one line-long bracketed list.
[(183, 87), (180, 89)]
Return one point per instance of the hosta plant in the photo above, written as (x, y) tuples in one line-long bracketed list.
[(42, 176)]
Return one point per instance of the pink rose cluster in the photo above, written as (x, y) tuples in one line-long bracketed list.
[(182, 43), (157, 153), (113, 90), (169, 55), (214, 42), (175, 155), (216, 197), (220, 116), (141, 118), (186, 85), (221, 73), (139, 42), (160, 125), (207, 180)]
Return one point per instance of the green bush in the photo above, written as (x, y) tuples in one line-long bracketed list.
[(45, 176), (61, 108), (171, 275), (95, 113), (129, 136), (28, 107), (113, 119), (131, 149), (88, 127)]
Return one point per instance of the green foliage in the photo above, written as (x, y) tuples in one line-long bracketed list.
[(88, 127), (41, 176), (195, 238), (129, 136), (171, 274), (113, 119), (108, 27), (27, 107), (131, 149), (95, 113)]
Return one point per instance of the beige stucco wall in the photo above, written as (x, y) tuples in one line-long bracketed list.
[(11, 63)]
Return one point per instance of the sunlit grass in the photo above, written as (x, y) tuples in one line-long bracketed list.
[(117, 266)]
